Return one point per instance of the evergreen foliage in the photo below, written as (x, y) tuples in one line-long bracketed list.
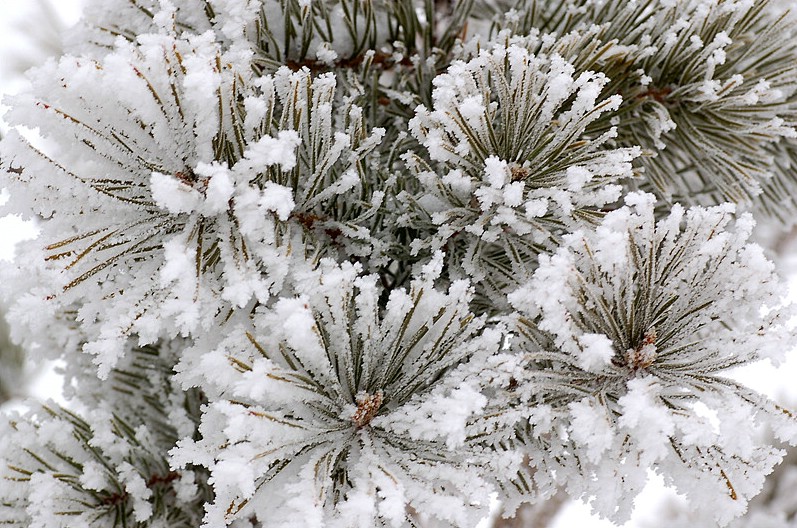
[(12, 359), (370, 263)]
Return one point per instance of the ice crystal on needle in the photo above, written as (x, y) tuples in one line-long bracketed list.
[(647, 317), (75, 472), (708, 108), (510, 164), (182, 195), (151, 183), (371, 263), (323, 409)]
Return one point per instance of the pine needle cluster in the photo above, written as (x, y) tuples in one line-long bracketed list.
[(370, 263)]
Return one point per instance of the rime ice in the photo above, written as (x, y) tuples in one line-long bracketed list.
[(378, 264)]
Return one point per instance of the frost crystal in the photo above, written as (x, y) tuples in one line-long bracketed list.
[(330, 412), (177, 196), (509, 162), (628, 329), (77, 472), (369, 263)]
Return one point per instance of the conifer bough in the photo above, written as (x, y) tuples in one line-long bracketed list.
[(371, 263)]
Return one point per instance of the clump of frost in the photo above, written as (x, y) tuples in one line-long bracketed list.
[(324, 385), (507, 165), (180, 203), (113, 469), (632, 325)]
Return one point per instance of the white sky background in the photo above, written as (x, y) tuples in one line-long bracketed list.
[(22, 24)]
